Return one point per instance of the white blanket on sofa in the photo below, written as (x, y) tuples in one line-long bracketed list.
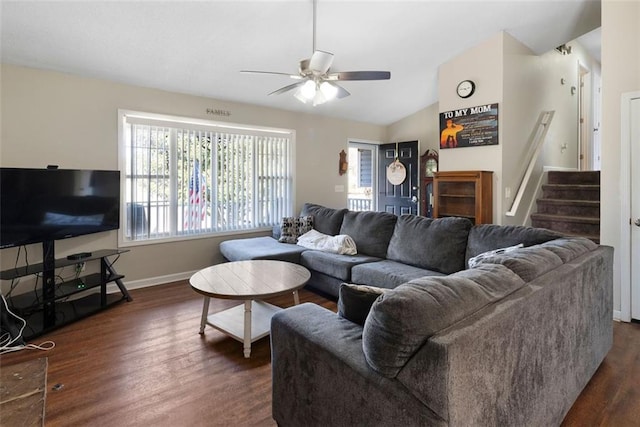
[(340, 244)]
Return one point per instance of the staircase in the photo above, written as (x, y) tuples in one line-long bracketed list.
[(570, 204)]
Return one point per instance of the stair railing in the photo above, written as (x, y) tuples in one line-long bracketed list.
[(536, 141)]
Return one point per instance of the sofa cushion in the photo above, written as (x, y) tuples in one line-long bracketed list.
[(402, 319), (370, 230), (325, 220), (568, 248), (434, 244), (388, 274), (293, 227), (528, 263), (354, 301), (260, 248), (487, 237), (334, 265)]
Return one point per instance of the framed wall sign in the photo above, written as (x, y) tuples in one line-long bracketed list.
[(469, 127)]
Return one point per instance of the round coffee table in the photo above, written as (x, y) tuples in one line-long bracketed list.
[(250, 281)]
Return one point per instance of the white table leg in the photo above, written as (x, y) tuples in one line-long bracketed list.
[(296, 299), (247, 329), (205, 313)]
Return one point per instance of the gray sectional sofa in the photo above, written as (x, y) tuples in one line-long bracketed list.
[(391, 250), (510, 341)]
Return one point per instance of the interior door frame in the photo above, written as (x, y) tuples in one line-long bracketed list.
[(585, 141), (625, 208)]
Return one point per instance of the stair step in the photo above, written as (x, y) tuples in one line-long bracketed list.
[(584, 226), (566, 218), (588, 208), (571, 191), (570, 204), (574, 177)]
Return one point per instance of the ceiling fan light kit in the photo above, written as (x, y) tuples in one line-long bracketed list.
[(315, 92), (316, 81)]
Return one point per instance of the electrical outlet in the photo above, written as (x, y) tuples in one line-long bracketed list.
[(507, 192)]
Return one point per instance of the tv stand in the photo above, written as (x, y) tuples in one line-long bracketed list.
[(58, 304)]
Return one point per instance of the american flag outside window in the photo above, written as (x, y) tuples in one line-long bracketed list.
[(197, 207)]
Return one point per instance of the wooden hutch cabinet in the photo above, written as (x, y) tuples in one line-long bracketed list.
[(467, 194)]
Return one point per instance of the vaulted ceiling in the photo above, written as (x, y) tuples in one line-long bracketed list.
[(199, 47)]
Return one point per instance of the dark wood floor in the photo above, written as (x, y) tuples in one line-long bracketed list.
[(144, 363)]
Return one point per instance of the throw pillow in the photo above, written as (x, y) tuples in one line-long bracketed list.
[(288, 230), (304, 224), (355, 301), (291, 228), (477, 260)]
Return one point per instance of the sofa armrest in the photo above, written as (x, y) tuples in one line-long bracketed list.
[(320, 375)]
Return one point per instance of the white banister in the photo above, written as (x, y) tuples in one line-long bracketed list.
[(535, 147)]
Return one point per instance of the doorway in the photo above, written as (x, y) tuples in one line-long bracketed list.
[(630, 207), (635, 208), (363, 161), (398, 194)]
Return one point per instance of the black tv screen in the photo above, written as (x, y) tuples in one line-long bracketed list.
[(38, 205)]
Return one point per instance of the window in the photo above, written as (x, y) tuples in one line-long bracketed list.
[(188, 177)]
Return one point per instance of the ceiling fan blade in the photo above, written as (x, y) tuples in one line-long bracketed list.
[(342, 92), (360, 75), (320, 62), (293, 76), (287, 88)]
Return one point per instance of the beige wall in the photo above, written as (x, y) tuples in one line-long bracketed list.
[(422, 126), (484, 65), (55, 118), (620, 74)]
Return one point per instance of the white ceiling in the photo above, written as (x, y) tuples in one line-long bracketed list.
[(199, 47)]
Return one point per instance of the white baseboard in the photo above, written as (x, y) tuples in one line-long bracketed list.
[(152, 281)]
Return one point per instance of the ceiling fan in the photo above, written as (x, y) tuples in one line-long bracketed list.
[(316, 82)]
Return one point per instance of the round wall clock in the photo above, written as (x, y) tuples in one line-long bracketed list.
[(466, 88)]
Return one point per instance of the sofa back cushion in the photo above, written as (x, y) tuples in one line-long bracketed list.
[(434, 244), (536, 260), (370, 230), (402, 319), (325, 220), (568, 248), (487, 237), (528, 263)]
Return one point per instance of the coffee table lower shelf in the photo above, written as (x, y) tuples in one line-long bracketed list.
[(246, 322)]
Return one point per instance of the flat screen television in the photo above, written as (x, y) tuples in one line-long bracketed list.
[(38, 205)]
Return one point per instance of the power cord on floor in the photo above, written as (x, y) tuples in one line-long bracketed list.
[(11, 337)]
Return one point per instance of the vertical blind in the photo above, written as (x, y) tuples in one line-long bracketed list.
[(186, 180)]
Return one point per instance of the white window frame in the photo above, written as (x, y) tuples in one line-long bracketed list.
[(186, 122)]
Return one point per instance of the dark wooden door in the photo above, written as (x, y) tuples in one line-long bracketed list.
[(403, 198)]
